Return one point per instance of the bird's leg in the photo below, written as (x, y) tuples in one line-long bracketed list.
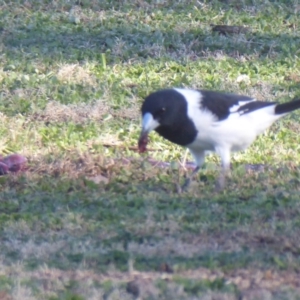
[(220, 184), (188, 180), (199, 158), (225, 157)]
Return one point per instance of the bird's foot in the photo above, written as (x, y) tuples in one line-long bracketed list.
[(186, 184), (180, 189), (220, 184)]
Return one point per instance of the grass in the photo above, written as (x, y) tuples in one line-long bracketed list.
[(93, 219)]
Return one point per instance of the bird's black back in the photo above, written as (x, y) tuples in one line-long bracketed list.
[(221, 103)]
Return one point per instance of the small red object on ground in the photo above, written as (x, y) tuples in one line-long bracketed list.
[(12, 163), (142, 144)]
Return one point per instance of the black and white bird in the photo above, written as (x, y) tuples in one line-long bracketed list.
[(202, 120)]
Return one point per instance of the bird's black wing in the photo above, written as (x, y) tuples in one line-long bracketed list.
[(222, 104), (251, 106)]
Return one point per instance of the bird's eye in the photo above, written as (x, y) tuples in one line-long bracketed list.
[(160, 112)]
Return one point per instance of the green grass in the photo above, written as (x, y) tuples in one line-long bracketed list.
[(91, 218)]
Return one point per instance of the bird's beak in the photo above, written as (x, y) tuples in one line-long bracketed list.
[(148, 124)]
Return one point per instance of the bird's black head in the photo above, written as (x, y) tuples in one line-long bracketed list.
[(163, 111), (165, 106)]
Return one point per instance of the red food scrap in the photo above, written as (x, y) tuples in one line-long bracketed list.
[(142, 144), (12, 163), (3, 168)]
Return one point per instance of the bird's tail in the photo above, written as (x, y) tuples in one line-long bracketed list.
[(284, 108)]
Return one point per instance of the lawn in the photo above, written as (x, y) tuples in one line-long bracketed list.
[(91, 218)]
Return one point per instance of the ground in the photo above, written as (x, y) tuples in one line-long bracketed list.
[(91, 218)]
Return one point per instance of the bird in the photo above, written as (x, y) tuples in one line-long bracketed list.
[(208, 121)]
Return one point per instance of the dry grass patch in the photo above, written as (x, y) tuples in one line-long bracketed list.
[(78, 113), (99, 110), (74, 73)]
